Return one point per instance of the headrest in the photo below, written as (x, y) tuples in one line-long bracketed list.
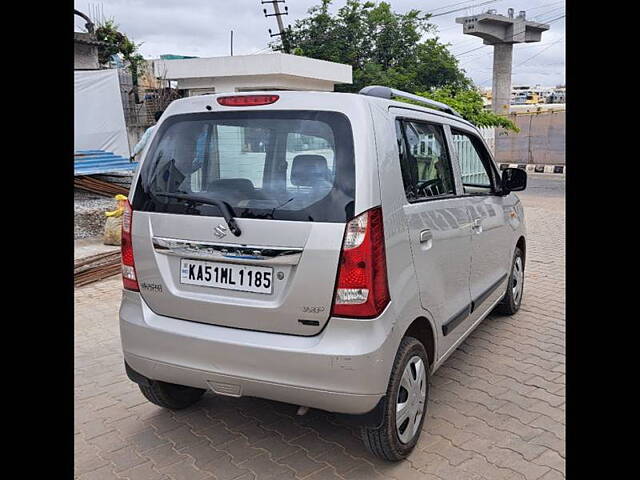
[(308, 170), (238, 185)]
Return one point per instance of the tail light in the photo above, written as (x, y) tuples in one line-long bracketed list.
[(361, 287), (247, 100), (129, 279)]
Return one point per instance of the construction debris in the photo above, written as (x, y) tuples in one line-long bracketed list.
[(95, 267), (93, 195), (89, 218)]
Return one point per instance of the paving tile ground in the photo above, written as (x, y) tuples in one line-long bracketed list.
[(496, 411)]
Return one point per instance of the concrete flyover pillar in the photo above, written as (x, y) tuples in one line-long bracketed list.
[(501, 86), (502, 32)]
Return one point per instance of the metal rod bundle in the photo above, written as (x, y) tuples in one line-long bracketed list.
[(93, 185), (96, 267)]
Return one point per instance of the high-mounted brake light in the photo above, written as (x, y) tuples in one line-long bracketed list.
[(247, 100), (129, 279), (361, 288)]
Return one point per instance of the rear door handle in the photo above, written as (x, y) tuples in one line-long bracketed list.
[(425, 235)]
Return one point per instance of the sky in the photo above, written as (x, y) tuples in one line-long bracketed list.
[(202, 28)]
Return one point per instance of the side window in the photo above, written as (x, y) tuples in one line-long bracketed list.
[(424, 160), (474, 163)]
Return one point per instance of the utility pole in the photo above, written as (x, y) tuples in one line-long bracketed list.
[(278, 14), (502, 32), (232, 43)]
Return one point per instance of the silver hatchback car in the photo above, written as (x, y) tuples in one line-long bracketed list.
[(324, 249)]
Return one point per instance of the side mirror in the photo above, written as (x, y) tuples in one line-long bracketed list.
[(513, 180)]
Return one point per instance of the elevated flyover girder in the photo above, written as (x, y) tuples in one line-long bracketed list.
[(494, 28)]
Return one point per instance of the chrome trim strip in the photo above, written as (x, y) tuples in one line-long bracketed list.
[(227, 252)]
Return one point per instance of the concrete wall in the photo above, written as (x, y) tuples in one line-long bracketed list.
[(274, 71), (134, 134), (251, 65), (541, 139), (85, 57)]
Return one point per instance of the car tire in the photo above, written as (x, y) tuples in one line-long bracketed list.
[(168, 395), (510, 304), (387, 441)]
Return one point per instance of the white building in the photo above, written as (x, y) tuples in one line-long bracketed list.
[(273, 71)]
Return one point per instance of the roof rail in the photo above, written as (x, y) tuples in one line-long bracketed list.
[(389, 93)]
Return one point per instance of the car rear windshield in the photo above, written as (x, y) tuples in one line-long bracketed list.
[(282, 165)]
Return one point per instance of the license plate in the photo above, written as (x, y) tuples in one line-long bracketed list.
[(230, 276)]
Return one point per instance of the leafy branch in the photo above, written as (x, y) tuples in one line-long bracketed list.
[(469, 104), (398, 50), (117, 43)]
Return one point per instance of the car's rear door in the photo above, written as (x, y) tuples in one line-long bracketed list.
[(438, 220), (289, 177)]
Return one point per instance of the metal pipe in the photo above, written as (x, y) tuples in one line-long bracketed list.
[(89, 25)]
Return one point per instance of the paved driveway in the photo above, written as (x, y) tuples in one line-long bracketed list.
[(497, 407)]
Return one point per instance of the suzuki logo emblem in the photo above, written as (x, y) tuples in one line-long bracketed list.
[(220, 231)]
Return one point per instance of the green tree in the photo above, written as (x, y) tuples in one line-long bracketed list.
[(389, 48), (468, 103), (117, 43), (381, 45)]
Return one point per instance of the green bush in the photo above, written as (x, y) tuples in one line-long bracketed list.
[(469, 104)]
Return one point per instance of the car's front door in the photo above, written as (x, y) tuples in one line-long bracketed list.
[(439, 225), (492, 237)]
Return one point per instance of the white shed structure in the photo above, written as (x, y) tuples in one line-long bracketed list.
[(272, 71)]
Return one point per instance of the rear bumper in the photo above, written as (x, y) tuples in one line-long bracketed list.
[(344, 369)]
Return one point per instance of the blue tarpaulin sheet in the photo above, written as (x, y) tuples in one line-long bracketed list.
[(90, 162)]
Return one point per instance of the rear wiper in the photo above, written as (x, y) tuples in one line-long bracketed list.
[(224, 207)]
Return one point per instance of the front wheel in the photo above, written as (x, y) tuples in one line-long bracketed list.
[(406, 404), (510, 304)]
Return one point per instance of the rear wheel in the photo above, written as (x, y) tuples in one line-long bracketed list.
[(510, 304), (406, 404), (171, 396)]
